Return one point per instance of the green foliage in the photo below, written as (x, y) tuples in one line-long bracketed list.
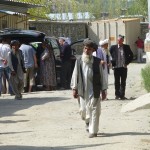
[(145, 72), (98, 8), (138, 7), (38, 11)]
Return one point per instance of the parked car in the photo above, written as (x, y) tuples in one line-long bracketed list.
[(77, 47), (35, 38)]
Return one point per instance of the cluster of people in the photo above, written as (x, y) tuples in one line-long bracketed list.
[(89, 81), (90, 78), (18, 64)]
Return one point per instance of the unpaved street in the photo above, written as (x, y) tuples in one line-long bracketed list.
[(50, 121)]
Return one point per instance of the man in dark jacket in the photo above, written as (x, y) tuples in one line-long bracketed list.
[(121, 57), (66, 53)]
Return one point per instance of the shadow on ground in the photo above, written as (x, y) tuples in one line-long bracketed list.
[(73, 147), (16, 105), (122, 134)]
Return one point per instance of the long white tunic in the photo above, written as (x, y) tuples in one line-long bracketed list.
[(89, 106)]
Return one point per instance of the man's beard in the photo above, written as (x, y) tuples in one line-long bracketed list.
[(86, 58)]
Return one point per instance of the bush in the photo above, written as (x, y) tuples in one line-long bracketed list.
[(146, 77)]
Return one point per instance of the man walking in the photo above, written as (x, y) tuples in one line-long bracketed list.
[(121, 57), (87, 82)]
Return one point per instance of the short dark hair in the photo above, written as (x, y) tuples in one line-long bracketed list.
[(14, 42), (121, 36), (89, 43)]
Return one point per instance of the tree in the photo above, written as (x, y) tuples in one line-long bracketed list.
[(38, 11), (99, 8), (138, 7)]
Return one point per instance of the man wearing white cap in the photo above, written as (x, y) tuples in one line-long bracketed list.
[(104, 55), (121, 57)]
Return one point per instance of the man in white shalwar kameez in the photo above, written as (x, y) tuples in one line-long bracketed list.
[(104, 55), (87, 82)]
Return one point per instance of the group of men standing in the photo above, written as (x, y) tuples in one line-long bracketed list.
[(15, 60), (90, 78)]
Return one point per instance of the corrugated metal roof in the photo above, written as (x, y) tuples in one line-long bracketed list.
[(12, 13), (16, 6)]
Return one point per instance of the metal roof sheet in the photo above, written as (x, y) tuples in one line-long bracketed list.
[(12, 13), (16, 6)]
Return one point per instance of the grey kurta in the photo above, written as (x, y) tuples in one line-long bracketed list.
[(16, 80)]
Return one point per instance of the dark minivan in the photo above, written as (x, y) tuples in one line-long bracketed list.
[(35, 38)]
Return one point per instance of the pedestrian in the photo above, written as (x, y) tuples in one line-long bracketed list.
[(87, 83), (4, 68), (47, 70), (121, 57), (39, 51), (3, 84), (16, 65), (66, 54), (104, 54), (140, 48), (30, 62)]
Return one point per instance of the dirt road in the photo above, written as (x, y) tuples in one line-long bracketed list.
[(50, 121)]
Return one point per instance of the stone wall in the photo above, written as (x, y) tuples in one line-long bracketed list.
[(75, 31)]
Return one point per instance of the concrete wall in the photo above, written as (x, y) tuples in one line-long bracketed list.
[(131, 28), (144, 29), (13, 21), (110, 29), (132, 31)]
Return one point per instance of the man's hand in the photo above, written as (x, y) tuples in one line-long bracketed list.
[(103, 62), (103, 95), (13, 73), (75, 93), (5, 62), (36, 65), (125, 66)]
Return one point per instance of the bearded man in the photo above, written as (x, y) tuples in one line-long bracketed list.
[(16, 65), (87, 83)]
